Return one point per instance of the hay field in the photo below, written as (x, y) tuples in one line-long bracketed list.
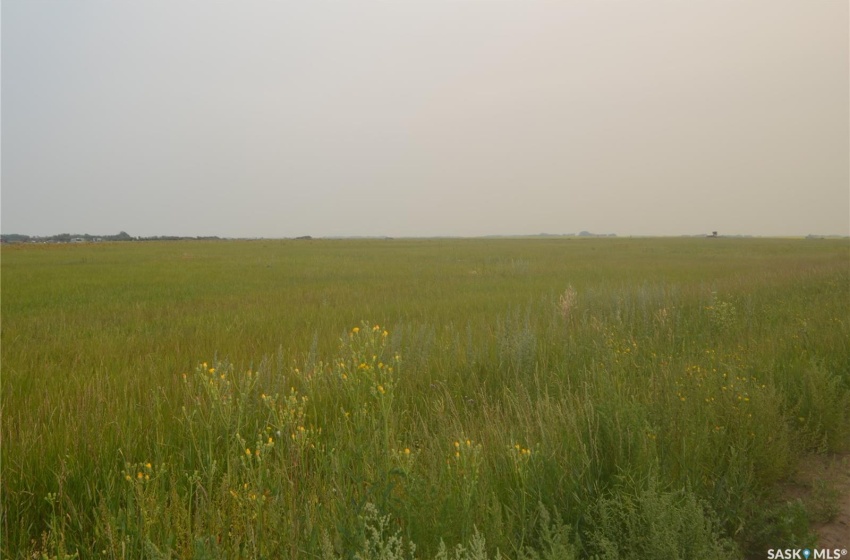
[(439, 398)]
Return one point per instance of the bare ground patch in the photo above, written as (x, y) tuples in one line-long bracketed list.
[(822, 483)]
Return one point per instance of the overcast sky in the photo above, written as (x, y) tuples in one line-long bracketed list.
[(422, 118)]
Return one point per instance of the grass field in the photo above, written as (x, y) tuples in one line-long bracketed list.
[(534, 398)]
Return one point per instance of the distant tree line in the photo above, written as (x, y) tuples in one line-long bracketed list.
[(87, 238)]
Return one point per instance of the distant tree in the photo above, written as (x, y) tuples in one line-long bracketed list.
[(14, 238), (123, 236)]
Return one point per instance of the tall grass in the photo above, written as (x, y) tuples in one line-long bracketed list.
[(524, 398)]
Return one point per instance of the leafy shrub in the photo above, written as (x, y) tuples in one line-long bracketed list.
[(652, 523)]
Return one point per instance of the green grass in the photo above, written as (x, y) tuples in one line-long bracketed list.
[(651, 412)]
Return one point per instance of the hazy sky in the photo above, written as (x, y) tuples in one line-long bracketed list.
[(420, 118)]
